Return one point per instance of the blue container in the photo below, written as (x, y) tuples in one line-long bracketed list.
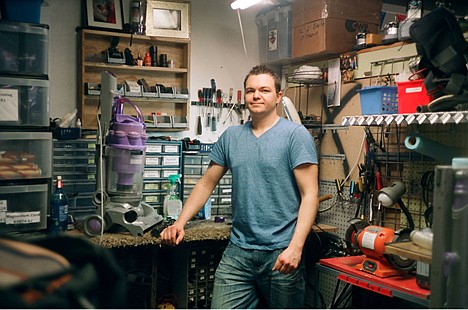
[(379, 100), (23, 11)]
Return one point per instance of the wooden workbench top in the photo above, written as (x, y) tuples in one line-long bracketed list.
[(194, 231)]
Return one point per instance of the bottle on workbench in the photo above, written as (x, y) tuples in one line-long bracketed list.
[(172, 205), (58, 209)]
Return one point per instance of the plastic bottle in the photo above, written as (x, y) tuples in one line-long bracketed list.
[(147, 60), (58, 209), (172, 205), (423, 238)]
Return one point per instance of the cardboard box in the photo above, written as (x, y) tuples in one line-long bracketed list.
[(306, 11), (327, 36)]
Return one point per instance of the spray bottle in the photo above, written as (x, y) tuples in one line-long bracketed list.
[(172, 205)]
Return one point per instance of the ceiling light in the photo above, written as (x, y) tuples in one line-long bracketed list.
[(243, 4)]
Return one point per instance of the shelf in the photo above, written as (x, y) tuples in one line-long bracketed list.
[(118, 67), (153, 39), (453, 117), (305, 78), (146, 99), (92, 61)]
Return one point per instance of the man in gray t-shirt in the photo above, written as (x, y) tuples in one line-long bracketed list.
[(274, 169)]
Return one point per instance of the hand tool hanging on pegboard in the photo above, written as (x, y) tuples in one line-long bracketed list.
[(213, 102), (199, 118)]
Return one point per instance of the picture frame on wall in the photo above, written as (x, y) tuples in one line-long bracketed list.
[(103, 14), (168, 19)]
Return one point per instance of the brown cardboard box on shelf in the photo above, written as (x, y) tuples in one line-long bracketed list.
[(373, 39), (306, 11), (327, 36)]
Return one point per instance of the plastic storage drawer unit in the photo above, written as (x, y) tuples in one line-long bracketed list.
[(23, 207), (25, 155), (24, 49), (24, 102)]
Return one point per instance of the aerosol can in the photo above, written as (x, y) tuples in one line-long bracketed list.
[(172, 205)]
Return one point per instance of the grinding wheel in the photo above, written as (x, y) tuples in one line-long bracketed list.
[(397, 261), (356, 226)]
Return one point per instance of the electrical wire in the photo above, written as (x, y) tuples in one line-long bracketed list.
[(243, 37), (357, 159), (101, 179)]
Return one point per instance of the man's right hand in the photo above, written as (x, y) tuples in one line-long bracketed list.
[(173, 234)]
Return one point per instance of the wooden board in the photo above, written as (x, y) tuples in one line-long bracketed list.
[(409, 250)]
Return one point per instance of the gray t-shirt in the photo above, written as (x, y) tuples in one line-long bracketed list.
[(265, 196)]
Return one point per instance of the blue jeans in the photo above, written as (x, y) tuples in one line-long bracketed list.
[(245, 277)]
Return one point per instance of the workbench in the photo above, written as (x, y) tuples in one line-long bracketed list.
[(200, 234), (401, 286), (200, 230)]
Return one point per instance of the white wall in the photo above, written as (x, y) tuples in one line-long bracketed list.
[(217, 52)]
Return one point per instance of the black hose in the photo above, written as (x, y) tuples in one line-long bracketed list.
[(405, 210)]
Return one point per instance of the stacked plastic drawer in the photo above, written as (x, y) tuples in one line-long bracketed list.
[(195, 166), (25, 144), (163, 158), (75, 161), (195, 266)]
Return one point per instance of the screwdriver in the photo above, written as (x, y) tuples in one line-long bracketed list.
[(239, 100), (231, 92), (199, 120), (213, 116), (219, 98), (207, 105)]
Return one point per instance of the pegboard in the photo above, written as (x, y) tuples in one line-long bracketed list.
[(327, 283), (340, 211), (396, 163)]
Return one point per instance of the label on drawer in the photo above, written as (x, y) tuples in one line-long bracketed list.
[(167, 173), (153, 161), (15, 218), (152, 173), (170, 161), (9, 105), (171, 149), (153, 148)]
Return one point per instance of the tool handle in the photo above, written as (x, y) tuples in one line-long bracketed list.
[(239, 96), (199, 125), (213, 123), (219, 96), (378, 179), (325, 197)]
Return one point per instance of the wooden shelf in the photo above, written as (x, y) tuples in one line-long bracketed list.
[(118, 67), (93, 45)]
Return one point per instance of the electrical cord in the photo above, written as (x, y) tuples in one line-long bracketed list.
[(101, 179), (427, 184), (242, 35)]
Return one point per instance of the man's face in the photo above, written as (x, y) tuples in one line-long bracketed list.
[(260, 94)]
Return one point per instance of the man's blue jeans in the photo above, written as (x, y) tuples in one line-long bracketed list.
[(244, 277)]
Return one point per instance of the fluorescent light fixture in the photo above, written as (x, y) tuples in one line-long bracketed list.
[(243, 4)]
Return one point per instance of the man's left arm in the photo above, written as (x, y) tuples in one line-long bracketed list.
[(307, 180)]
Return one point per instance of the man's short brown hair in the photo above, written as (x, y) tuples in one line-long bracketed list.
[(262, 69)]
